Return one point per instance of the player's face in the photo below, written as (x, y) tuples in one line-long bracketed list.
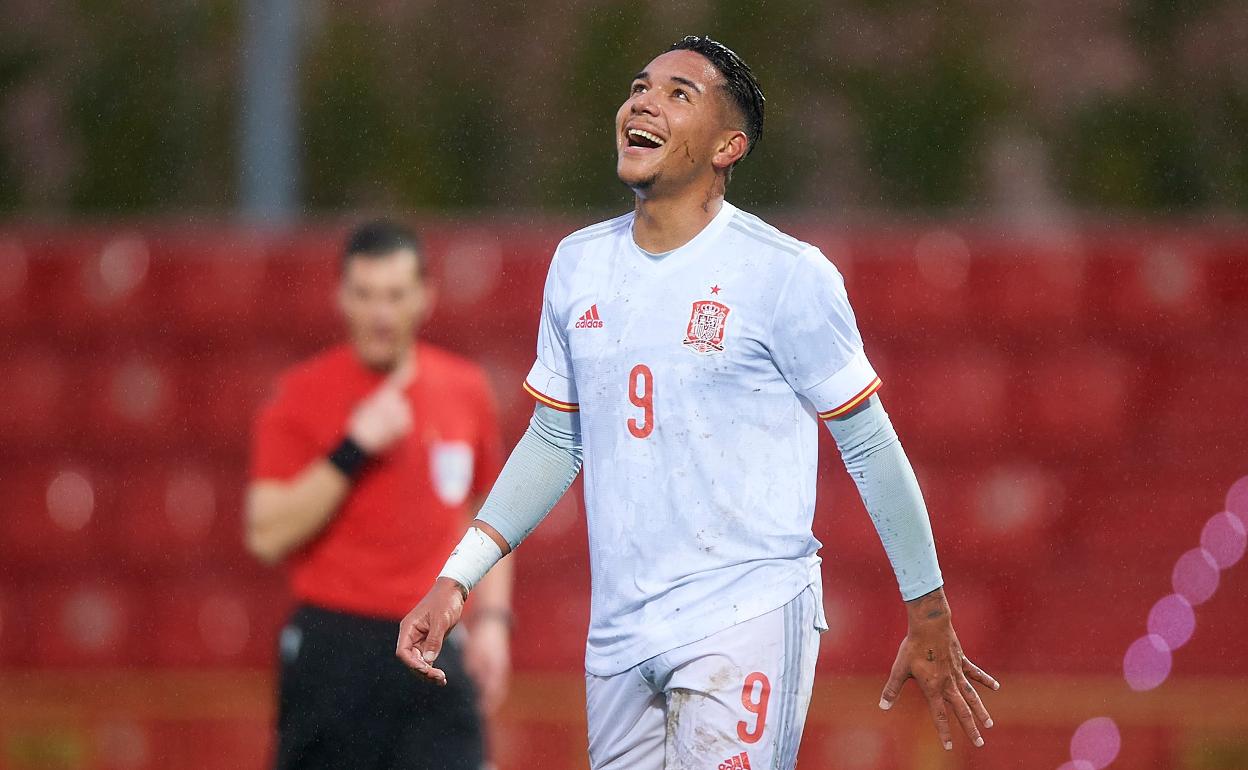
[(673, 128), (384, 302)]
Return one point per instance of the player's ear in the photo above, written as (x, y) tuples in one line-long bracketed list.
[(732, 147)]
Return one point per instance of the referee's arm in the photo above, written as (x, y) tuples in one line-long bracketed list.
[(284, 515)]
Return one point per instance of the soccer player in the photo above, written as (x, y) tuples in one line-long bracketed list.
[(368, 462), (687, 352)]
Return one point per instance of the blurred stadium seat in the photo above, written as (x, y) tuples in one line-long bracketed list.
[(185, 515), (207, 621), (58, 517), (37, 409), (88, 622)]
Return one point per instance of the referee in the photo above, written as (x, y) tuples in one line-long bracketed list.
[(367, 463)]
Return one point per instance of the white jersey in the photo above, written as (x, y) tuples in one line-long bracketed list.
[(699, 376)]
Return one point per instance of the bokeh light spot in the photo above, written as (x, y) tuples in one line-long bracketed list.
[(224, 626), (1224, 538), (91, 619), (122, 745), (1078, 764), (1173, 620), (1237, 499), (1096, 742), (190, 503), (1195, 576), (1147, 663), (70, 500)]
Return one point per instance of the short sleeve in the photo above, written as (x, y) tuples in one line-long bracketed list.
[(815, 340), (489, 443), (550, 380), (280, 446)]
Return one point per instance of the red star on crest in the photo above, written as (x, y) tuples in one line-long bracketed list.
[(715, 289)]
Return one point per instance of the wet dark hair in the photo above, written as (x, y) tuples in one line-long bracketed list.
[(740, 83), (381, 238)]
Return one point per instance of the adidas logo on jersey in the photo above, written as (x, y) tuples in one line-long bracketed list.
[(590, 320), (739, 762)]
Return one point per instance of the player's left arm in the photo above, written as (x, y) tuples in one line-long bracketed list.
[(930, 653), (487, 655)]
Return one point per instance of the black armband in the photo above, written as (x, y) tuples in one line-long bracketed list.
[(348, 457)]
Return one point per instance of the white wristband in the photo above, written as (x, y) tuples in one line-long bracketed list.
[(471, 559)]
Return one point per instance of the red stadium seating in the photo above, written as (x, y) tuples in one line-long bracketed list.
[(183, 515), (13, 628), (1073, 404), (210, 287), (1155, 284), (99, 621), (132, 400), (218, 622), (1030, 289), (57, 517), (37, 409)]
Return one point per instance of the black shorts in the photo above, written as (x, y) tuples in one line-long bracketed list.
[(346, 702)]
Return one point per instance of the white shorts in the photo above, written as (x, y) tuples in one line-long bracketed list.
[(735, 700)]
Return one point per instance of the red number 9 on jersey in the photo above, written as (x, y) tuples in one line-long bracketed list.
[(641, 393)]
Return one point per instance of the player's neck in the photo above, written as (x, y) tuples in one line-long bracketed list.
[(665, 223)]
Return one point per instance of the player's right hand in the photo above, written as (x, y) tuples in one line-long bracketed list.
[(422, 632), (384, 416)]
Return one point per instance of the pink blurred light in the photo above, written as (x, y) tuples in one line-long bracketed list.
[(1237, 499), (1224, 538), (1078, 764), (1096, 742), (1173, 620), (1195, 576), (1147, 663)]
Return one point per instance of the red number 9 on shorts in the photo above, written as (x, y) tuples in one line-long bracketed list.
[(754, 705)]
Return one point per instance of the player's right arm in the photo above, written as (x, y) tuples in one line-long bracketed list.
[(283, 515), (539, 471)]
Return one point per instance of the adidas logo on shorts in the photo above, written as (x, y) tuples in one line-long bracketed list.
[(590, 320), (739, 762)]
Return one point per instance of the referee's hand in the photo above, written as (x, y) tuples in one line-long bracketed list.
[(422, 631), (384, 416)]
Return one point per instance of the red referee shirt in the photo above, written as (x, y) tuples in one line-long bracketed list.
[(384, 547)]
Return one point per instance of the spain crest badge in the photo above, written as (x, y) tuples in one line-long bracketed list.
[(705, 334)]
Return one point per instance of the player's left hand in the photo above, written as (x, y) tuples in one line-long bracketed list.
[(487, 658), (423, 630), (932, 656)]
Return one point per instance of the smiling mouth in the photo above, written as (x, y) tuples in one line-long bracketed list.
[(639, 138)]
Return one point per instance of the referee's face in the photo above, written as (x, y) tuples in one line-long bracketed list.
[(673, 130), (384, 301)]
